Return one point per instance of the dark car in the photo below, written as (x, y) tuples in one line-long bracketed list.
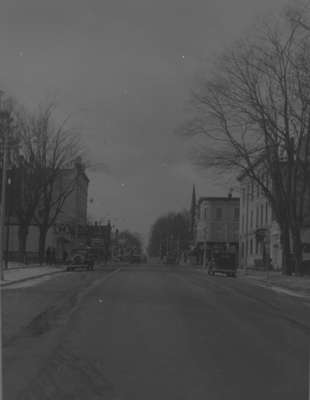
[(225, 263), (81, 258)]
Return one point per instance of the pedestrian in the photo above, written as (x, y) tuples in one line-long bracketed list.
[(48, 255)]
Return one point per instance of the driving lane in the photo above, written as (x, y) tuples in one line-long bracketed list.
[(156, 334)]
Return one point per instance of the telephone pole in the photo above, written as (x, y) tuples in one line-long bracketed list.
[(5, 118), (205, 248)]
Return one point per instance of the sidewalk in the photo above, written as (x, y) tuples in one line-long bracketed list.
[(292, 285), (20, 273)]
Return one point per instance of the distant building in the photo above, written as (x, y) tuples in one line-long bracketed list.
[(217, 223), (64, 234)]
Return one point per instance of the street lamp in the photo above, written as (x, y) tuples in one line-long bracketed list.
[(5, 117)]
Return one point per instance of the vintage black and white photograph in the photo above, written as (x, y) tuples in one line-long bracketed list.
[(155, 200)]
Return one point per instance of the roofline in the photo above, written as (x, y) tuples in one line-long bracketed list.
[(217, 199), (243, 174), (81, 172)]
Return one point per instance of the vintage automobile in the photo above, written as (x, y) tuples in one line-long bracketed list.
[(223, 262), (82, 258)]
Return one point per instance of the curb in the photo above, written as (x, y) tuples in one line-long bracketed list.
[(277, 289), (30, 278), (33, 266), (270, 286)]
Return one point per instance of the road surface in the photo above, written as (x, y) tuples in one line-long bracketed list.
[(154, 333)]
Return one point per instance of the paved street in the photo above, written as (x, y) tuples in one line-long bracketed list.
[(156, 333)]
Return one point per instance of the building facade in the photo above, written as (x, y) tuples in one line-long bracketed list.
[(259, 238), (216, 223), (64, 234)]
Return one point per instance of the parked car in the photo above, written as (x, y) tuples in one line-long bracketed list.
[(223, 262), (81, 258)]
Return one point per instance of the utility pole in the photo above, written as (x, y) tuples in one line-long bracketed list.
[(5, 116), (309, 375), (167, 249), (5, 128), (178, 250), (8, 209), (205, 249)]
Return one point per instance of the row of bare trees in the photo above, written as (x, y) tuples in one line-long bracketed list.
[(254, 110), (43, 152), (170, 233)]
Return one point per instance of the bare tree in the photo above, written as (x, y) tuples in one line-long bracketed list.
[(172, 231), (255, 112), (22, 172), (52, 150)]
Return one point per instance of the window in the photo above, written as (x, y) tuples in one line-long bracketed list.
[(257, 189), (243, 197), (266, 213), (252, 190), (256, 246), (262, 214), (205, 213), (242, 249), (218, 214), (257, 215), (236, 213), (306, 248), (242, 226), (251, 246), (251, 221)]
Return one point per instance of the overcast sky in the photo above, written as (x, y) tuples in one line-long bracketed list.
[(123, 70)]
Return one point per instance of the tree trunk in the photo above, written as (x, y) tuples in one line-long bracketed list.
[(297, 247), (22, 242), (42, 242), (286, 258)]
